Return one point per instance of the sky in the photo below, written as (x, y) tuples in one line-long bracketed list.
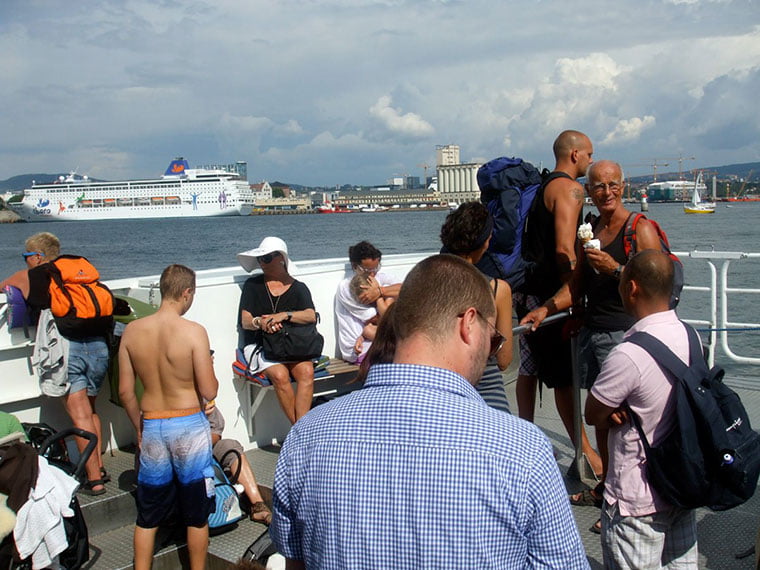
[(324, 93)]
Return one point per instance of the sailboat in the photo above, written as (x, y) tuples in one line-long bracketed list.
[(697, 206)]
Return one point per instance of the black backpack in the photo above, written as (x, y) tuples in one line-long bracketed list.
[(712, 456), (508, 189)]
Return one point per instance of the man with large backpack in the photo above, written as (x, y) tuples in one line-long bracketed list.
[(619, 234), (549, 245), (639, 528), (82, 309)]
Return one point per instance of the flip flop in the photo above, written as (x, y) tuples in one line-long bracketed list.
[(596, 528), (104, 475), (259, 508), (586, 499)]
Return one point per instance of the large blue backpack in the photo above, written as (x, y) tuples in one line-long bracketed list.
[(508, 188), (711, 457)]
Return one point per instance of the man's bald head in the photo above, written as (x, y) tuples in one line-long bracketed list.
[(568, 141)]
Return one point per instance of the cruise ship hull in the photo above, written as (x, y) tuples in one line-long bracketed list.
[(34, 213)]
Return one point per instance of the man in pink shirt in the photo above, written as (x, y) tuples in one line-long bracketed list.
[(639, 529)]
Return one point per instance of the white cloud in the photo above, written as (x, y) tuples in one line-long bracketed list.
[(409, 124), (628, 130), (594, 70), (299, 99)]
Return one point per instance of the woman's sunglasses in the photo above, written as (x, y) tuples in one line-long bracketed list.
[(268, 257)]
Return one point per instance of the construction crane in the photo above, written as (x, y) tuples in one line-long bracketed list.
[(653, 165), (744, 184), (425, 167), (680, 158)]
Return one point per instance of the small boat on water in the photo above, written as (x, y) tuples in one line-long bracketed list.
[(697, 206), (328, 208)]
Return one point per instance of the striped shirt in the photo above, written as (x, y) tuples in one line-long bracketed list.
[(415, 471)]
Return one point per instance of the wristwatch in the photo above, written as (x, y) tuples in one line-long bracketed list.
[(290, 316), (618, 271)]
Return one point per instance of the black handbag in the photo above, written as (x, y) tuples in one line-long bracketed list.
[(293, 343)]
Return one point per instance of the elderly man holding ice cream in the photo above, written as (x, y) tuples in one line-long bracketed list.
[(601, 259)]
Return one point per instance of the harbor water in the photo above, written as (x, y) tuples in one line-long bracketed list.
[(128, 248)]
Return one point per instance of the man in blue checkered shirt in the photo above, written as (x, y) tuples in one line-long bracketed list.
[(415, 470)]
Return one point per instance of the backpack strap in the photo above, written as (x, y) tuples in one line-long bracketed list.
[(546, 178), (664, 356), (629, 235), (667, 360), (233, 477)]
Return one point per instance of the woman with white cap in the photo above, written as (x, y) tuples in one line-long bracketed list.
[(268, 301)]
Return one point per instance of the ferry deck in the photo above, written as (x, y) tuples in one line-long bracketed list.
[(254, 418)]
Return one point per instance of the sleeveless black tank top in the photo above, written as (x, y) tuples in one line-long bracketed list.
[(604, 308)]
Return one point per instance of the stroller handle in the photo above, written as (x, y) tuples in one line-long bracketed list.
[(92, 442)]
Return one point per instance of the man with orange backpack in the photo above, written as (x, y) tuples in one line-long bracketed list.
[(615, 236), (82, 308)]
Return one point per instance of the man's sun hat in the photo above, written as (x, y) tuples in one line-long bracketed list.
[(248, 261)]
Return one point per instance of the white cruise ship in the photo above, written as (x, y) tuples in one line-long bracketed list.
[(181, 191)]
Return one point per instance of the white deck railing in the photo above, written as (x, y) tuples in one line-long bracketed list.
[(717, 323)]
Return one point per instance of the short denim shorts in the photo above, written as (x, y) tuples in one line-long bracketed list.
[(88, 364)]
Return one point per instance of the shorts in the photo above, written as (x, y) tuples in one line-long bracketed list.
[(593, 348), (225, 459), (523, 304), (666, 539), (254, 355), (88, 364), (548, 353), (176, 472)]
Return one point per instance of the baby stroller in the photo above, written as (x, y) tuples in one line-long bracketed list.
[(52, 445)]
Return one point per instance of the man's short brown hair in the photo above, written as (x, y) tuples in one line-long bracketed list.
[(175, 279), (436, 291), (44, 242)]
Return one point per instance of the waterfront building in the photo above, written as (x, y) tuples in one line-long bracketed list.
[(457, 182), (447, 154)]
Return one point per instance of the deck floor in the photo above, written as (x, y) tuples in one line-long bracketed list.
[(721, 535)]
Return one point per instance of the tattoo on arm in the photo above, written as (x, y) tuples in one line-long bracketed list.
[(578, 195)]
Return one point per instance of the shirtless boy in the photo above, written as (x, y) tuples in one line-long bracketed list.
[(171, 356)]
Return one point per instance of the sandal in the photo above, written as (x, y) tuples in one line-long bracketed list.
[(587, 498), (260, 508), (596, 528), (89, 488), (104, 475)]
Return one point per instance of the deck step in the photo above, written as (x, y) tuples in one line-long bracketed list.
[(113, 549), (111, 517)]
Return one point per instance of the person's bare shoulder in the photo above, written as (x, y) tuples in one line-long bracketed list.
[(563, 193)]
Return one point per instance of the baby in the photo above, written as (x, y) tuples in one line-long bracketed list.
[(358, 285)]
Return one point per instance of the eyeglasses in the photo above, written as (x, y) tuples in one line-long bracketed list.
[(29, 254), (613, 186), (362, 269), (497, 339), (268, 257)]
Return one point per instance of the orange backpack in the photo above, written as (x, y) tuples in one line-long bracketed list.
[(81, 304)]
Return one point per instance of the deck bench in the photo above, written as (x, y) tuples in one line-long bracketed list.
[(334, 381)]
